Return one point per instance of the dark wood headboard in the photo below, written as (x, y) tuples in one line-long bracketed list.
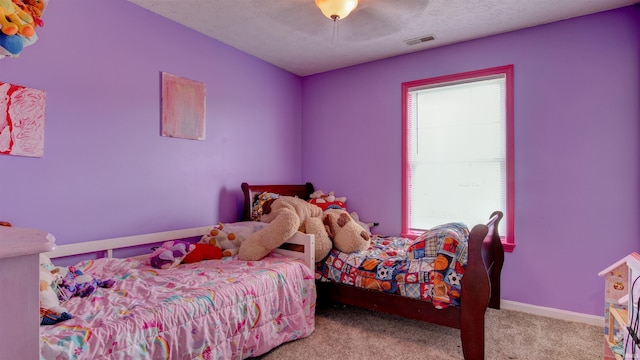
[(252, 191)]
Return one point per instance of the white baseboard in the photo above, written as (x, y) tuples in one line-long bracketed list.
[(552, 313)]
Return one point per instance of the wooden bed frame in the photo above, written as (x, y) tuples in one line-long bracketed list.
[(480, 285)]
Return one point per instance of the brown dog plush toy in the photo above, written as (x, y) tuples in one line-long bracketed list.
[(347, 235), (286, 215)]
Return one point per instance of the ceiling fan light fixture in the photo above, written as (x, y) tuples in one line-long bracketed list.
[(336, 9)]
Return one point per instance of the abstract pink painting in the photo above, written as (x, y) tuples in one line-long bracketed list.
[(21, 120), (183, 105)]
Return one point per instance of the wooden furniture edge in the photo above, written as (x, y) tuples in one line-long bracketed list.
[(483, 265), (251, 191)]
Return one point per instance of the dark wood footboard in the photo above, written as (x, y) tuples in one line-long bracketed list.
[(480, 284), (484, 263), (493, 256)]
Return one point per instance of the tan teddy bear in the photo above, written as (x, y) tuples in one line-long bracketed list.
[(347, 235), (286, 215)]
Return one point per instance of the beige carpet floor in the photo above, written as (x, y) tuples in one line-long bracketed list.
[(344, 333)]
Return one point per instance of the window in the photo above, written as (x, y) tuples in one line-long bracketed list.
[(458, 150)]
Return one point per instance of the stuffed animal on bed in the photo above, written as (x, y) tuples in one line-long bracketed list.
[(77, 283), (51, 312), (202, 252), (225, 240), (58, 271), (324, 201), (229, 236), (284, 216), (347, 235), (175, 252), (170, 254)]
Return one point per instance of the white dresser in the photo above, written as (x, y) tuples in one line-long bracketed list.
[(19, 276)]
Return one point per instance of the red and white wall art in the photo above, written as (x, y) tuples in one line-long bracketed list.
[(21, 120)]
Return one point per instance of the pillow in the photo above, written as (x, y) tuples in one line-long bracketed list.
[(450, 239), (256, 208), (243, 229)]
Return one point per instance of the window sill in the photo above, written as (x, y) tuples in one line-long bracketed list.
[(508, 247)]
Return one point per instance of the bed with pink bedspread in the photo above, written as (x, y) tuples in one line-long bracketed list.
[(215, 309)]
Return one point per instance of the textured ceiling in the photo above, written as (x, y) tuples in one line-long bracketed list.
[(294, 35)]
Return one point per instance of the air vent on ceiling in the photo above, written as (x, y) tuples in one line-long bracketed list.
[(419, 40)]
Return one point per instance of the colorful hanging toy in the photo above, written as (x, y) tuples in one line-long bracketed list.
[(18, 22)]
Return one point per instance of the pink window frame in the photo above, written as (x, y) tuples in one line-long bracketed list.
[(508, 240)]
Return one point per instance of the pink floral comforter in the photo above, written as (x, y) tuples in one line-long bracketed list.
[(218, 309)]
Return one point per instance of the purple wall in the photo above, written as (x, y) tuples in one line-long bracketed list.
[(106, 172), (576, 146)]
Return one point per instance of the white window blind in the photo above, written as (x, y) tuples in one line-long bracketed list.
[(456, 138)]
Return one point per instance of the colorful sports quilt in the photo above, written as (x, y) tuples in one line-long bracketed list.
[(429, 268), (216, 309)]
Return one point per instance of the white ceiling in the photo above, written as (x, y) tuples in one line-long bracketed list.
[(294, 35)]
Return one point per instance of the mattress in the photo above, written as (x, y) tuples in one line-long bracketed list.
[(217, 309)]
